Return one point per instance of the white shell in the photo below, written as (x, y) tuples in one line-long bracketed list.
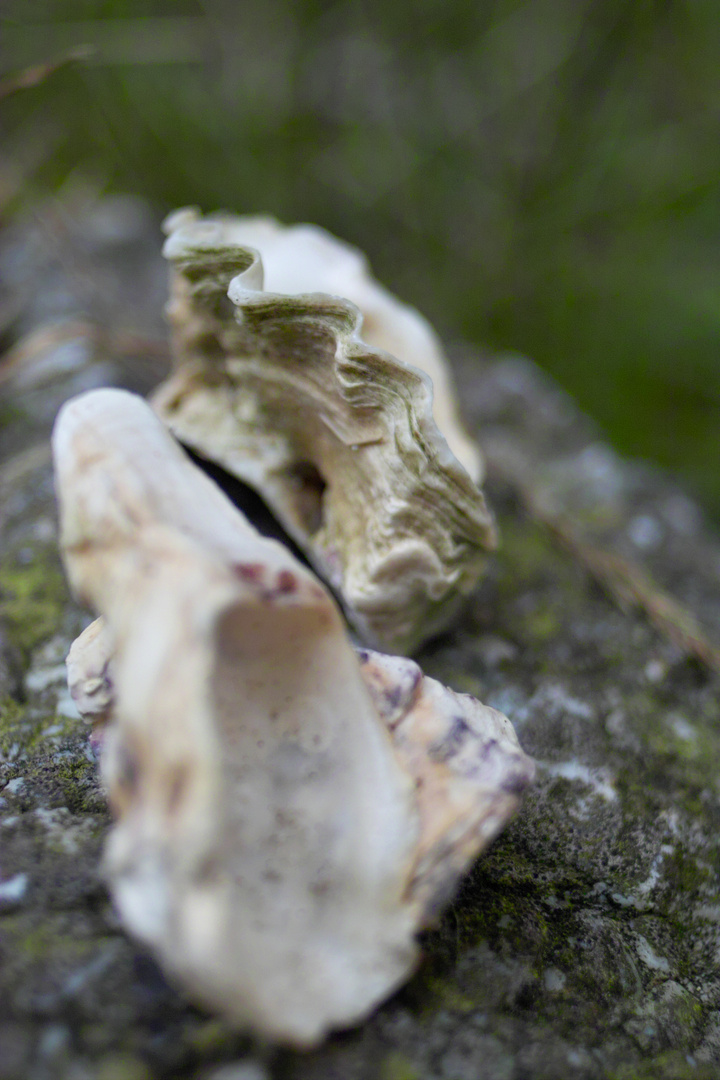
[(370, 473), (288, 813), (88, 673)]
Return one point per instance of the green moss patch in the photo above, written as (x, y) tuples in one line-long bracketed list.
[(33, 594)]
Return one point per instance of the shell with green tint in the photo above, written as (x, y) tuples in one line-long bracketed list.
[(339, 436)]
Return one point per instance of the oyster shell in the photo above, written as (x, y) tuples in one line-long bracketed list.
[(339, 436), (289, 812)]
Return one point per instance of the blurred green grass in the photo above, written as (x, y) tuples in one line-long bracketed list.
[(541, 176)]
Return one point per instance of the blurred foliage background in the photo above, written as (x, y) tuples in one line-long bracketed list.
[(540, 176)]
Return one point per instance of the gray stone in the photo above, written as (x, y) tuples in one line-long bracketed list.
[(584, 945), (242, 1070), (15, 1044)]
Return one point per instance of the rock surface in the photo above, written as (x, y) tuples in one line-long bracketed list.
[(585, 944)]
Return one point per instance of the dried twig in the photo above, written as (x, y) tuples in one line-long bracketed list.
[(38, 343), (624, 581), (37, 73)]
